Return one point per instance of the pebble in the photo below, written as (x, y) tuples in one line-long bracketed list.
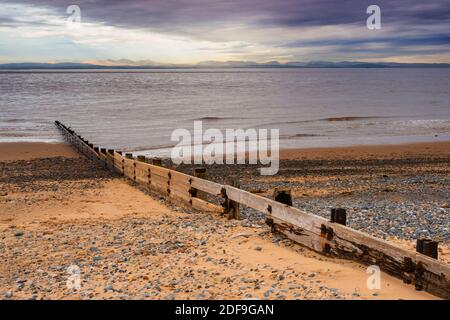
[(241, 234), (170, 296), (8, 294), (18, 234), (258, 248), (109, 287), (267, 293)]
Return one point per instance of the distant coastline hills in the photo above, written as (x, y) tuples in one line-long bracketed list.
[(128, 65)]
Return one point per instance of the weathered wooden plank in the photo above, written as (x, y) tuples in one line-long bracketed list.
[(142, 179), (299, 235), (210, 187), (163, 181), (180, 200), (110, 161), (200, 204), (180, 185), (180, 194), (118, 166), (180, 176), (142, 172), (164, 189), (118, 157), (119, 162), (178, 189), (143, 166), (129, 168), (102, 157), (248, 199), (160, 171)]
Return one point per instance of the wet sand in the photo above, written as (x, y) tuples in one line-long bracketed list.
[(64, 211), (32, 150), (416, 150)]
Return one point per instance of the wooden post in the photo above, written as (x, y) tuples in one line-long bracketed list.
[(200, 173), (141, 158), (427, 247), (339, 215), (129, 155), (232, 208), (430, 248), (157, 162), (283, 196), (419, 245), (96, 149), (110, 159)]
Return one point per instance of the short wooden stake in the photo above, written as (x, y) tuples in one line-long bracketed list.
[(157, 162), (200, 173), (232, 208), (129, 155), (339, 215), (283, 196), (427, 247), (141, 158), (430, 248)]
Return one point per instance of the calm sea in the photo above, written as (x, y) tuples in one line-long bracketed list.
[(138, 110)]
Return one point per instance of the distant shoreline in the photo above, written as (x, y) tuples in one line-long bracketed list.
[(28, 150), (211, 65)]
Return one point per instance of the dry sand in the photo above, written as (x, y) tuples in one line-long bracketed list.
[(63, 210)]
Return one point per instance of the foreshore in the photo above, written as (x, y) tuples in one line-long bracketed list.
[(58, 209)]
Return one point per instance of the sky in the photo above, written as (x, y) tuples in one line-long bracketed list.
[(190, 31)]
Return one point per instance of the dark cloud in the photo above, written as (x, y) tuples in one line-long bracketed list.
[(179, 15), (431, 40)]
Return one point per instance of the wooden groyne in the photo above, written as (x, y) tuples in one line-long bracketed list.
[(328, 237)]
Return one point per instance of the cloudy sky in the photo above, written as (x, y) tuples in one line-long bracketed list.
[(190, 31)]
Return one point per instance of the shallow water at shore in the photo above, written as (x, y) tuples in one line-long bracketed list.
[(311, 107)]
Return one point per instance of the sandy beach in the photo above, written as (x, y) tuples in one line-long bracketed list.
[(57, 210)]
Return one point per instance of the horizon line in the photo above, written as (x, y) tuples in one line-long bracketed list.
[(116, 64)]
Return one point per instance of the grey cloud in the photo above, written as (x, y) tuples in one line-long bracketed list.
[(196, 18)]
